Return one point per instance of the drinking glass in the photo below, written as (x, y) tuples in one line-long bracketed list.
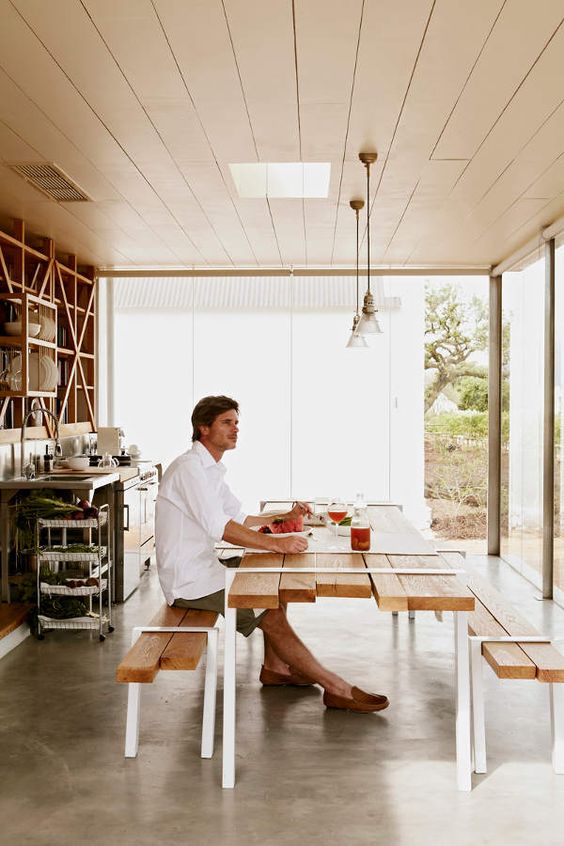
[(337, 510)]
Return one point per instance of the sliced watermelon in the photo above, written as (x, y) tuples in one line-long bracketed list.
[(282, 527)]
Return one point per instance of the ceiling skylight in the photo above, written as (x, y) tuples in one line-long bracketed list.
[(282, 179)]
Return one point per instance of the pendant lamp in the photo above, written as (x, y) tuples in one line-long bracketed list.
[(356, 341), (368, 323)]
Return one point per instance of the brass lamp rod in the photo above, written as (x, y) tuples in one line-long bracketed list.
[(367, 159), (357, 205)]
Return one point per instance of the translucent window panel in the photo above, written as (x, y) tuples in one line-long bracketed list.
[(340, 408), (559, 429), (153, 380), (245, 353), (522, 446)]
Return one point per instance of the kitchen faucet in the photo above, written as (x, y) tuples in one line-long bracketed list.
[(58, 448)]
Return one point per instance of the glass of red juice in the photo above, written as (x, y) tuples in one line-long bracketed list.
[(360, 538), (337, 510)]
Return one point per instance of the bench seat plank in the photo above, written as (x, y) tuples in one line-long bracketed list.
[(142, 662), (507, 660), (256, 590), (432, 593), (548, 661), (387, 589), (344, 584), (295, 587), (183, 651)]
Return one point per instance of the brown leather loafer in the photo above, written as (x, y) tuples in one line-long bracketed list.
[(363, 703), (269, 678)]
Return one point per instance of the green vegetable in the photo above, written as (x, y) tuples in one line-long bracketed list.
[(346, 521)]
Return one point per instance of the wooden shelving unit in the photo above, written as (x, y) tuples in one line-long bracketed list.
[(31, 269)]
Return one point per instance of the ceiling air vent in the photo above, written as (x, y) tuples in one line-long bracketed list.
[(50, 180)]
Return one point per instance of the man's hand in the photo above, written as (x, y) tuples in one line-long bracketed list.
[(288, 545), (300, 509)]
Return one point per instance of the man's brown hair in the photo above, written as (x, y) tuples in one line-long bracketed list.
[(207, 409)]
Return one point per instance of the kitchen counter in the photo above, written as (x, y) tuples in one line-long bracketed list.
[(62, 480)]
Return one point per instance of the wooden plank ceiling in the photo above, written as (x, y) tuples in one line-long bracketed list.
[(145, 102)]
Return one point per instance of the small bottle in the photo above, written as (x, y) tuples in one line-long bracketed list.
[(360, 530), (47, 458)]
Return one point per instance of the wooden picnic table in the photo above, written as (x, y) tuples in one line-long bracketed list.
[(412, 581)]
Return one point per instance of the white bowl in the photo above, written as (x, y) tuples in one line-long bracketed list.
[(15, 328), (78, 462)]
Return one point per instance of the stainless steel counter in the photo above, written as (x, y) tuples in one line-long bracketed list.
[(65, 480)]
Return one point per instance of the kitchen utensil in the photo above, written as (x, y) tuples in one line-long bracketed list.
[(15, 328), (78, 462)]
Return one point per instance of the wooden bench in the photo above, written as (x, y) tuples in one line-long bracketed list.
[(175, 639), (514, 650)]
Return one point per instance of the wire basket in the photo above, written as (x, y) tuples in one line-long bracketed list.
[(71, 623), (64, 590), (90, 523), (67, 554)]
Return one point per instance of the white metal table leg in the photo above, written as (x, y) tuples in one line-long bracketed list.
[(229, 686), (477, 700), (210, 687), (463, 742), (132, 724), (411, 616), (557, 726)]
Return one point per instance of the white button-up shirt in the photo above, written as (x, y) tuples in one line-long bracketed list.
[(194, 505)]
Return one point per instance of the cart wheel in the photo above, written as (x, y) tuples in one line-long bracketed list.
[(102, 637), (111, 628)]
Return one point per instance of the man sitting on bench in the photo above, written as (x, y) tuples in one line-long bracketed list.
[(196, 509)]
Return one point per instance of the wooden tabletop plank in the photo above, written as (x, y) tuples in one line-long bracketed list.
[(432, 593), (183, 652), (142, 662), (295, 587), (346, 584), (387, 589), (389, 518), (256, 590)]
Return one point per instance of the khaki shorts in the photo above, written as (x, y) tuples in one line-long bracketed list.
[(247, 620)]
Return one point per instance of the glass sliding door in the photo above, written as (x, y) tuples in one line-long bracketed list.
[(522, 419), (558, 428), (456, 409)]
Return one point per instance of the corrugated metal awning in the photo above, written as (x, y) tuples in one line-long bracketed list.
[(242, 292)]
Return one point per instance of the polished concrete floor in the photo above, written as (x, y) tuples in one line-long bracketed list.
[(304, 774)]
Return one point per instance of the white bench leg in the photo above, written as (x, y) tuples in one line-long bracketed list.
[(463, 742), (557, 726), (477, 700), (411, 616), (210, 687), (229, 686), (132, 725)]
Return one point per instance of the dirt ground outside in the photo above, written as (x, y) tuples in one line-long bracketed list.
[(456, 472)]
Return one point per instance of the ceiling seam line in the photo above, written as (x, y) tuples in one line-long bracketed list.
[(353, 84), (62, 207), (110, 133), (298, 115), (202, 127), (72, 143), (466, 81), (161, 139), (400, 113), (520, 197), (274, 231), (403, 214), (240, 80), (500, 115)]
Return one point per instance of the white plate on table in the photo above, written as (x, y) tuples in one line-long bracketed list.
[(304, 534)]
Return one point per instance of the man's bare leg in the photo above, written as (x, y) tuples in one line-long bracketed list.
[(282, 640)]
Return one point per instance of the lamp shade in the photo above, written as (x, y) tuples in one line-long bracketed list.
[(356, 342)]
